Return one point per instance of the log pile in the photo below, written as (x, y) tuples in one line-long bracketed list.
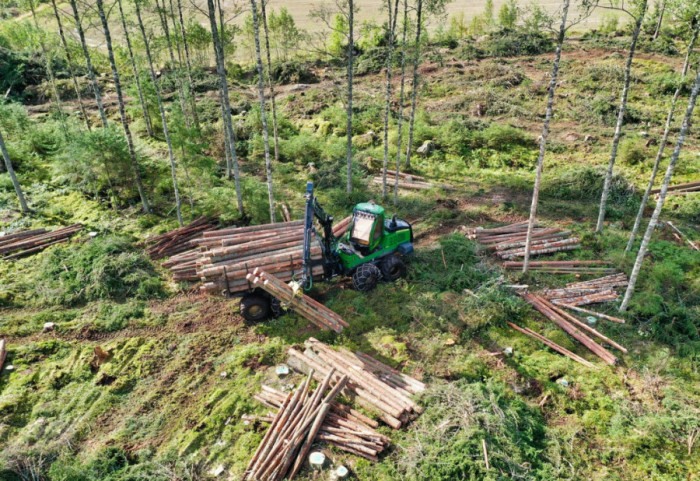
[(293, 430), (508, 241), (20, 244), (178, 240), (373, 385), (563, 267), (680, 189), (312, 310), (343, 427), (586, 292)]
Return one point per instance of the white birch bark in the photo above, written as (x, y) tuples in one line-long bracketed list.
[(351, 49), (13, 177), (414, 85), (401, 99)]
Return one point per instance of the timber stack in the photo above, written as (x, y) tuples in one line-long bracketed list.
[(343, 427), (295, 299), (178, 240), (293, 430), (20, 244), (372, 384), (563, 267)]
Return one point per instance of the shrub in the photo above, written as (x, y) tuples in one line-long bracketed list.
[(293, 72), (501, 137), (301, 149), (513, 43), (632, 152), (586, 183)]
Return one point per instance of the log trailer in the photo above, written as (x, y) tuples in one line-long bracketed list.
[(370, 251)]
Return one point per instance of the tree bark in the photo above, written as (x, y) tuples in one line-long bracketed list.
[(387, 106), (69, 61), (230, 148), (660, 21), (269, 81), (263, 115), (88, 63), (620, 118), (414, 93), (545, 133), (662, 144), (163, 119), (226, 106), (11, 171), (188, 64), (662, 196), (144, 106), (351, 48), (401, 99)]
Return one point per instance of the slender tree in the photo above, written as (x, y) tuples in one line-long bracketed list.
[(188, 65), (69, 62), (414, 84), (88, 63), (638, 19), (229, 147), (263, 114), (13, 177), (391, 25), (122, 109), (225, 104), (401, 99), (134, 69), (351, 59), (664, 139), (271, 86), (662, 10), (159, 98), (545, 132), (662, 196)]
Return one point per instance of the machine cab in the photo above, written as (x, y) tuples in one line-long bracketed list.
[(367, 227)]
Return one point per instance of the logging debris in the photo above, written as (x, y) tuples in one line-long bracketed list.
[(20, 244), (178, 240)]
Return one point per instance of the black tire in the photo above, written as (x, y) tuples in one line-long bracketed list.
[(392, 268), (276, 309), (255, 308), (366, 277)]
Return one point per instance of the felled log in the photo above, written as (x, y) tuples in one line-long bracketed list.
[(609, 282), (686, 186), (552, 344), (15, 236), (573, 263), (26, 245), (178, 240), (586, 327), (544, 248), (586, 311)]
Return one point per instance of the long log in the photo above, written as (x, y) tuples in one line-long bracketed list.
[(586, 311), (573, 263), (586, 327), (553, 345), (678, 187)]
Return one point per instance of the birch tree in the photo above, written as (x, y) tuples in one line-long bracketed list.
[(664, 139), (188, 66), (88, 63), (662, 10), (159, 98), (637, 13), (401, 99), (263, 115), (391, 25), (351, 59), (662, 196), (273, 101), (69, 62), (13, 177)]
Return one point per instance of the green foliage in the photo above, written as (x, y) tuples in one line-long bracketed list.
[(512, 43), (609, 23), (114, 317), (508, 14), (104, 268), (502, 137), (338, 39), (633, 151), (586, 183), (293, 72)]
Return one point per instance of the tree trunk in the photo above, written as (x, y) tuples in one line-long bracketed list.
[(269, 81), (387, 107), (351, 48), (414, 93), (49, 67), (144, 106), (230, 147), (401, 98), (545, 133), (662, 196), (11, 171), (69, 61), (88, 63), (660, 21), (263, 115), (226, 106), (163, 119), (188, 64), (620, 119), (122, 110), (662, 144)]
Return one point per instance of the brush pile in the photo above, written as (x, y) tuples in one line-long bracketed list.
[(293, 430), (373, 385), (343, 427), (681, 189), (312, 310), (508, 241), (20, 244), (178, 240), (408, 181)]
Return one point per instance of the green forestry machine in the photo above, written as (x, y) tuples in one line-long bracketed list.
[(370, 251)]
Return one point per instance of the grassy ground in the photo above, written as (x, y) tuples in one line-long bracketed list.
[(162, 408)]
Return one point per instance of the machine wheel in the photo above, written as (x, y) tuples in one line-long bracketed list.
[(392, 268), (366, 277), (276, 308), (255, 308)]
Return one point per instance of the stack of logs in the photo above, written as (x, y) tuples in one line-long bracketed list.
[(373, 385), (312, 310), (681, 189), (563, 267), (178, 240), (25, 243), (408, 181), (343, 427), (293, 430), (587, 292), (509, 241)]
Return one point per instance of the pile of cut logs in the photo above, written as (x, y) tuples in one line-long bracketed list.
[(293, 430), (587, 292), (373, 385), (408, 181), (20, 244), (178, 240), (509, 241), (681, 189), (563, 267), (344, 427), (304, 305)]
